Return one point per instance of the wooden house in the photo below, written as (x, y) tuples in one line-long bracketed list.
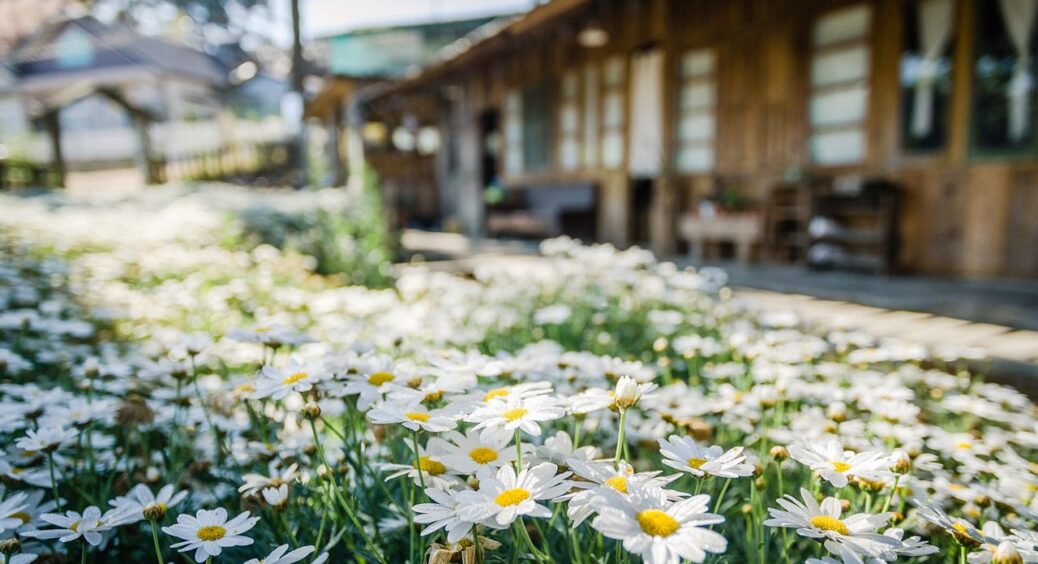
[(622, 116)]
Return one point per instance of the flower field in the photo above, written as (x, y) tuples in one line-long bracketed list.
[(228, 376)]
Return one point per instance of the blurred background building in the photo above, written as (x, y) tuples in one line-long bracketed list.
[(869, 135), (880, 135)]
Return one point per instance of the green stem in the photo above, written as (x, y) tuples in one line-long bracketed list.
[(82, 553), (54, 482), (518, 451), (886, 504), (720, 497), (342, 502), (621, 438), (155, 540), (418, 460)]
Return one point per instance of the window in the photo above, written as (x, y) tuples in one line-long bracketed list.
[(513, 132), (840, 87), (1003, 77), (591, 115), (537, 117), (697, 99), (569, 123), (613, 113), (926, 73)]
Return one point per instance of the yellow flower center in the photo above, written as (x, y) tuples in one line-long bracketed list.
[(416, 416), (74, 527), (483, 455), (25, 517), (379, 378), (827, 523), (430, 466), (212, 533), (295, 378), (696, 462), (244, 388), (841, 467), (618, 483), (263, 329), (433, 396), (964, 445), (512, 497), (513, 414), (657, 523), (498, 393)]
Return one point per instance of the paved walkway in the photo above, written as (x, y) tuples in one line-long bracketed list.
[(999, 317)]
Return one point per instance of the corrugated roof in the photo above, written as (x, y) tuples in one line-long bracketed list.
[(114, 45)]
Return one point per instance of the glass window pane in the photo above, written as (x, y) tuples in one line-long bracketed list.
[(838, 147), (849, 23), (844, 65), (839, 107)]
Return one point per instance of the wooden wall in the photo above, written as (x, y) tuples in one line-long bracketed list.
[(961, 214)]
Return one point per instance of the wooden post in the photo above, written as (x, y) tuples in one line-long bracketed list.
[(52, 122), (334, 155), (470, 186), (140, 123)]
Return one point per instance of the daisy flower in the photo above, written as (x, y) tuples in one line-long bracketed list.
[(503, 498), (501, 418), (208, 532), (281, 555), (276, 497), (660, 531), (835, 465), (254, 483), (686, 455), (431, 459), (72, 525), (374, 380), (444, 511), (412, 416), (468, 454), (279, 382), (962, 530), (47, 439), (140, 502), (854, 534), (10, 510), (604, 480), (558, 449)]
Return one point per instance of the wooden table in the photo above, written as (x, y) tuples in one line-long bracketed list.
[(742, 229)]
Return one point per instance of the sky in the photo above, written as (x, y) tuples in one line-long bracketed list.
[(327, 17)]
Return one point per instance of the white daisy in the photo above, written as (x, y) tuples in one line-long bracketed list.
[(46, 439), (446, 512), (855, 534), (431, 459), (500, 418), (10, 510), (140, 498), (468, 454), (254, 483), (660, 531), (604, 480), (686, 455), (835, 465), (208, 532), (505, 497), (412, 416), (279, 382), (72, 525), (281, 555)]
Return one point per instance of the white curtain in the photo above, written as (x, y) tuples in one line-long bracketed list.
[(935, 26), (645, 157), (1019, 18)]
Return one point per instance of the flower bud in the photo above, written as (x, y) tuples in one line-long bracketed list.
[(902, 464), (311, 410), (779, 453), (10, 546), (626, 393), (154, 511), (1006, 553)]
